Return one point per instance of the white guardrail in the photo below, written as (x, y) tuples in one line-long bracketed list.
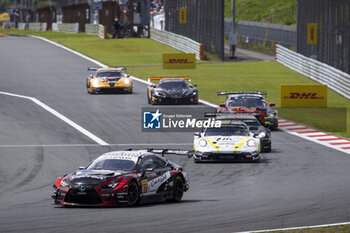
[(33, 26), (179, 42), (65, 27), (38, 26), (335, 79), (96, 29)]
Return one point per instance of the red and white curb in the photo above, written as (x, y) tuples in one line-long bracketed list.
[(315, 135)]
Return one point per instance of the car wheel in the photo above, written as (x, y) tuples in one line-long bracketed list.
[(267, 150), (178, 189), (133, 194), (87, 86), (148, 99)]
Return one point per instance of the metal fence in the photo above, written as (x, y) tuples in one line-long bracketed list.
[(257, 32), (333, 31), (201, 20), (179, 42), (335, 79)]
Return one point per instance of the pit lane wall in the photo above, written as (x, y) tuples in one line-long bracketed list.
[(179, 42), (96, 29), (65, 27), (33, 26), (335, 79)]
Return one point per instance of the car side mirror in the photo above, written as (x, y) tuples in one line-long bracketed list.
[(255, 134), (147, 170), (128, 75), (197, 134), (195, 85), (272, 104), (91, 76), (81, 168), (222, 105)]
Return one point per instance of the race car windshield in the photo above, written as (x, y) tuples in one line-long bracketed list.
[(112, 164), (227, 131), (173, 85), (251, 123), (247, 102), (109, 74)]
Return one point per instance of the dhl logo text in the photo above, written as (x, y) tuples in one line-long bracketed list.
[(303, 95), (178, 61)]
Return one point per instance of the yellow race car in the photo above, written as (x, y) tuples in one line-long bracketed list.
[(109, 80)]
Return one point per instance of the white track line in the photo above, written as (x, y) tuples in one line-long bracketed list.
[(297, 228), (60, 116), (86, 145), (105, 66)]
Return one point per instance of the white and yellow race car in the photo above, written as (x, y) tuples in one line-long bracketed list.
[(231, 142), (109, 80)]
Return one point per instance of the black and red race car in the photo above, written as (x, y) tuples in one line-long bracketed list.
[(122, 178), (251, 102), (172, 90)]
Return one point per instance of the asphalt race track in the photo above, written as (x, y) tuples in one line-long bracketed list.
[(299, 183)]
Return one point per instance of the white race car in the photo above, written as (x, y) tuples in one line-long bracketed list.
[(232, 141)]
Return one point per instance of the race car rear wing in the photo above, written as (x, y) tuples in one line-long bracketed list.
[(171, 151), (241, 92), (237, 114), (94, 68), (177, 77)]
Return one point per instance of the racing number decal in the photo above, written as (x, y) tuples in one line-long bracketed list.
[(144, 186)]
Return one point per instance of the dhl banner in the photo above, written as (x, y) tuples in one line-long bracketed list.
[(304, 96), (183, 15), (311, 33), (179, 60), (5, 17)]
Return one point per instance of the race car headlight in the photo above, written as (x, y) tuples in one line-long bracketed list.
[(194, 93), (203, 143), (64, 185), (111, 185), (158, 93), (95, 82), (250, 143), (262, 134), (126, 81)]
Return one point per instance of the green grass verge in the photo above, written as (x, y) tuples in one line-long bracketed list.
[(331, 229), (210, 78), (268, 11)]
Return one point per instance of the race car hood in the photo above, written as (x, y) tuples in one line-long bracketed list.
[(227, 140), (173, 92), (92, 176), (247, 109)]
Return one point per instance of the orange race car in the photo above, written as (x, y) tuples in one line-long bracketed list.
[(172, 90), (109, 80)]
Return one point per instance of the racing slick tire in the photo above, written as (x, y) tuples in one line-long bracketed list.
[(87, 86), (267, 150), (133, 194), (148, 99), (178, 189)]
